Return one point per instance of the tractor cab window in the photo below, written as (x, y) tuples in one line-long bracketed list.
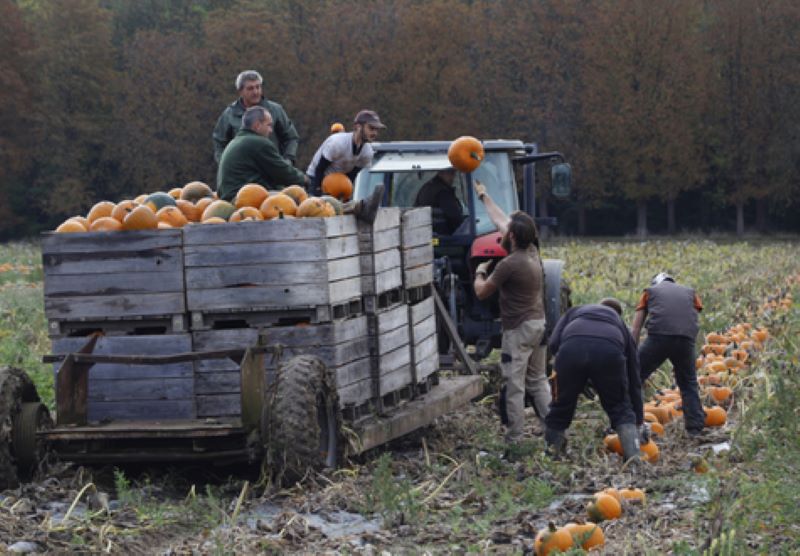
[(405, 178)]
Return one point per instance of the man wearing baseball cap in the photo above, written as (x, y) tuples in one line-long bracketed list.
[(347, 153)]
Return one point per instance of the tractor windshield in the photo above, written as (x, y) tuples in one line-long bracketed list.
[(406, 175)]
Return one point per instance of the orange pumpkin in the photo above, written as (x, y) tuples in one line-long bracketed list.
[(613, 444), (586, 535), (175, 192), (218, 208), (70, 226), (550, 539), (297, 193), (657, 429), (465, 154), (250, 195), (195, 190), (82, 219), (613, 492), (140, 218), (246, 213), (215, 220), (122, 209), (105, 224), (337, 128), (760, 335), (337, 185), (99, 210), (164, 226), (141, 199), (277, 205), (172, 216), (603, 506), (190, 210), (633, 495), (649, 451), (311, 207), (715, 416), (720, 393)]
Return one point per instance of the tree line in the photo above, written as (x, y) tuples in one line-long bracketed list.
[(676, 116)]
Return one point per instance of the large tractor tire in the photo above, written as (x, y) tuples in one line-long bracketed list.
[(556, 293), (302, 430), (21, 415)]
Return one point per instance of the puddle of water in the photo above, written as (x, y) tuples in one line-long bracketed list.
[(334, 525)]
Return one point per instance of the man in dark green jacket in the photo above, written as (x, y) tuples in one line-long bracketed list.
[(252, 158), (284, 135)]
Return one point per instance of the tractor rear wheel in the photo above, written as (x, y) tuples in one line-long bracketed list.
[(304, 423), (16, 392)]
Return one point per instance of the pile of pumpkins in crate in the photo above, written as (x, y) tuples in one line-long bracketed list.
[(196, 203)]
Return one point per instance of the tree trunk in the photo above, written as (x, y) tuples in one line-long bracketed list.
[(671, 216), (641, 218), (739, 218), (582, 220), (761, 215), (544, 231)]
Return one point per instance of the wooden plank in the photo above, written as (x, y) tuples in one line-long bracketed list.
[(423, 329), (393, 339), (380, 262), (88, 263), (393, 360), (93, 284), (381, 240), (416, 217), (140, 409), (417, 256), (390, 319), (271, 231), (425, 348), (421, 311), (110, 242), (452, 332), (105, 306), (419, 276), (383, 281), (219, 405), (352, 372), (417, 236), (396, 379), (427, 367), (297, 251), (278, 273), (355, 393), (387, 217), (140, 389), (220, 382)]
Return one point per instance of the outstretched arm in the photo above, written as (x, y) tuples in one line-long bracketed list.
[(499, 218)]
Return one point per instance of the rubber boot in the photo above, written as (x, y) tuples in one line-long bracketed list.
[(367, 209), (629, 438), (556, 441)]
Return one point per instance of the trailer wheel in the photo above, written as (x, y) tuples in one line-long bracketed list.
[(303, 432), (15, 389), (28, 450)]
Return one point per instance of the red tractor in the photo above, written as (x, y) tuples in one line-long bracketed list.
[(404, 167)]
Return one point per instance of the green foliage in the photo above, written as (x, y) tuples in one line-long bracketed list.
[(392, 496)]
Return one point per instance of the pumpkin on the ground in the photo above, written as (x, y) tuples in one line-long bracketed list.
[(633, 495), (602, 507), (613, 443), (586, 535), (650, 451), (250, 195), (278, 205), (465, 154), (551, 539), (715, 416), (338, 186)]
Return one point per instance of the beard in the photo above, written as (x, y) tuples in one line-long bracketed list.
[(506, 243)]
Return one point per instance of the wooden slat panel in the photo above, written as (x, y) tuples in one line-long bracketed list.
[(140, 389), (396, 379), (94, 284), (423, 329), (387, 217), (355, 393), (137, 410), (88, 263), (219, 405), (392, 318), (381, 261), (352, 372), (110, 242), (271, 231), (425, 348), (381, 282), (382, 240), (298, 251), (394, 360), (415, 218), (427, 367), (417, 236), (417, 256), (393, 339), (220, 382), (285, 296), (114, 306), (422, 310), (419, 276)]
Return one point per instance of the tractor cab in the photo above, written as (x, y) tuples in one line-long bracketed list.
[(404, 167)]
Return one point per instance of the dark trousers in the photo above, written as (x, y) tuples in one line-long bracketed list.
[(582, 359), (680, 351)]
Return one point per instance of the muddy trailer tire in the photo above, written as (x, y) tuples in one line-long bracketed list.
[(303, 426), (16, 391)]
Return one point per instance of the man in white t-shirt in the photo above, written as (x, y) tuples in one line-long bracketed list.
[(347, 153)]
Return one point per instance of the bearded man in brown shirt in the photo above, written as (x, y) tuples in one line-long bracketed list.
[(519, 278)]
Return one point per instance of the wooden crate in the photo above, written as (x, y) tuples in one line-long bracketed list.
[(389, 349), (379, 245), (118, 282), (132, 392), (342, 345), (416, 247), (424, 343), (296, 270)]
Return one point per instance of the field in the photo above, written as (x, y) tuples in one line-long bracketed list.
[(448, 488)]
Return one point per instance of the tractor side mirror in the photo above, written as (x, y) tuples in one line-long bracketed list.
[(561, 179)]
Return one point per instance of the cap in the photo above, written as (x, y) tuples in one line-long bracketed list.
[(660, 277), (369, 117)]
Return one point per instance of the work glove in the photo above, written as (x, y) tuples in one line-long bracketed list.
[(644, 433), (480, 189), (483, 268)]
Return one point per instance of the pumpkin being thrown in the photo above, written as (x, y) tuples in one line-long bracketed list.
[(465, 154), (337, 185)]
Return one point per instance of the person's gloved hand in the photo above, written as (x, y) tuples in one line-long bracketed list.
[(644, 433), (483, 268), (480, 189)]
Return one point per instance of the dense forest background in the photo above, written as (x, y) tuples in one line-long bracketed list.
[(677, 115)]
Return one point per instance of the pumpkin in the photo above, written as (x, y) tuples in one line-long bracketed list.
[(661, 411), (337, 185), (720, 393), (246, 213), (82, 219), (649, 451), (650, 418), (215, 220), (311, 207), (191, 211), (141, 198), (699, 464), (613, 492), (715, 416), (297, 193), (172, 216), (157, 201), (337, 128), (195, 190), (657, 429), (550, 539), (175, 193), (70, 226), (140, 218), (746, 344), (164, 226), (219, 208), (278, 205), (586, 535), (250, 195), (636, 495), (740, 354), (760, 335), (337, 206), (465, 154), (714, 338), (602, 507), (613, 444), (105, 224), (100, 210), (699, 362), (123, 208)]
